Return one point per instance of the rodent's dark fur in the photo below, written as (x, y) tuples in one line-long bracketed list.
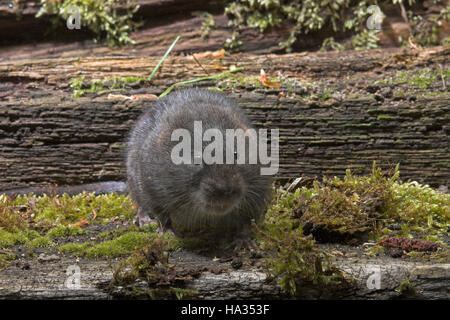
[(193, 199)]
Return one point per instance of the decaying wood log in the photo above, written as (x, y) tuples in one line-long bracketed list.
[(46, 136), (166, 19), (374, 279)]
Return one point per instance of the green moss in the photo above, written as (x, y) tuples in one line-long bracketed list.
[(233, 43), (331, 44), (422, 79), (100, 17), (151, 264), (335, 16), (125, 244), (65, 231), (184, 293), (326, 96), (76, 249), (386, 117), (406, 288), (367, 39), (67, 210), (6, 257), (207, 25), (238, 81), (109, 235), (344, 210), (40, 242), (81, 87), (375, 250), (9, 239), (297, 259), (31, 234), (433, 94), (421, 208)]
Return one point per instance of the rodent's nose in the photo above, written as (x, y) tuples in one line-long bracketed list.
[(228, 191), (218, 190), (222, 183), (224, 190)]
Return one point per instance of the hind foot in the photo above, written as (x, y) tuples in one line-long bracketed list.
[(242, 244), (242, 241)]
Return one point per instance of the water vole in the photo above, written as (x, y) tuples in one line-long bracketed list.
[(194, 199)]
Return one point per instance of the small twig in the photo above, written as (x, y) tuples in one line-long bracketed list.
[(404, 15), (162, 59), (218, 76), (198, 62), (444, 83)]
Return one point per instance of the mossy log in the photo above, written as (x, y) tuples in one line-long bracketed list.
[(335, 115), (23, 35), (47, 279)]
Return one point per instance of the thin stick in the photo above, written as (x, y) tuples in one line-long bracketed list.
[(198, 62), (162, 59), (444, 82), (217, 76), (404, 15)]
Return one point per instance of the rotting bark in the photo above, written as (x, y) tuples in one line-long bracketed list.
[(47, 280), (48, 137)]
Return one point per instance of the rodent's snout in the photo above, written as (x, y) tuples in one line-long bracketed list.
[(221, 189)]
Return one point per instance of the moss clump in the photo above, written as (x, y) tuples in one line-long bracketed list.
[(80, 86), (100, 17), (125, 244), (354, 206), (13, 216), (342, 210), (113, 234), (423, 79), (297, 260), (422, 209), (331, 44), (367, 39), (358, 208), (347, 210), (40, 242), (238, 81), (9, 239), (386, 117), (17, 236), (311, 16), (66, 209), (406, 288), (118, 243), (375, 250), (6, 257), (77, 249), (65, 231), (151, 264), (53, 216), (207, 25)]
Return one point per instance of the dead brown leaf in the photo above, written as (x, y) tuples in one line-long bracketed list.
[(266, 83), (80, 223)]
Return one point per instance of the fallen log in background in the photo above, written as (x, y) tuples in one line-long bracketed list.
[(23, 35), (46, 136)]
